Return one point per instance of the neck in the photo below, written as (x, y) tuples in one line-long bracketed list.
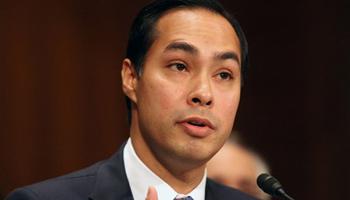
[(182, 178)]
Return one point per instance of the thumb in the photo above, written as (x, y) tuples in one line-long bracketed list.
[(152, 194)]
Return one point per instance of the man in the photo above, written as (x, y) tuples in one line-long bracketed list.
[(182, 79), (237, 166)]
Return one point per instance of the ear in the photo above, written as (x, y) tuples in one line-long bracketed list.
[(129, 80)]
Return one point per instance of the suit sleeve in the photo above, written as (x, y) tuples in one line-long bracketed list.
[(22, 194)]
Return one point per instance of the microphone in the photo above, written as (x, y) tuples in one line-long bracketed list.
[(272, 186)]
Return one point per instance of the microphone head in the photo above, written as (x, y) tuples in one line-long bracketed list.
[(269, 184)]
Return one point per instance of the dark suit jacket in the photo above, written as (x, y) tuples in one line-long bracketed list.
[(105, 180)]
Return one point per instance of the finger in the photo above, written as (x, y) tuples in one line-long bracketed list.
[(152, 194)]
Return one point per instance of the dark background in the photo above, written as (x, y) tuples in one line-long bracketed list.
[(62, 108)]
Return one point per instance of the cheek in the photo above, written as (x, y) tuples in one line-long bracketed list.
[(228, 104), (170, 91), (165, 98), (161, 96)]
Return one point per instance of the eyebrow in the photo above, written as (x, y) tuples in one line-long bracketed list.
[(186, 47), (227, 55), (183, 46)]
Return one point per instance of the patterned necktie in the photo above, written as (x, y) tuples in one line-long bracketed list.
[(181, 197)]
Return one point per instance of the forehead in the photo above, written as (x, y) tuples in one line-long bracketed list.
[(198, 26)]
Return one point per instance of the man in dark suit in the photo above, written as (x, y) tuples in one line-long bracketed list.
[(182, 77)]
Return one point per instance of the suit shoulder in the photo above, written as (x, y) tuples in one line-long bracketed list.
[(74, 185), (22, 194), (216, 190)]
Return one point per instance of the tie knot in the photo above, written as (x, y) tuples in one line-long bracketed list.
[(183, 197)]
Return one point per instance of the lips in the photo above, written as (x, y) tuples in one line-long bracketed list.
[(197, 127), (200, 122)]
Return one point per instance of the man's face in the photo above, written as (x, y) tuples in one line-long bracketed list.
[(187, 95)]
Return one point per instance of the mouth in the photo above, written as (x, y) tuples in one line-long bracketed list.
[(195, 123), (197, 127), (199, 122)]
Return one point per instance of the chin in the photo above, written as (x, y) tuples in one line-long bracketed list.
[(201, 155)]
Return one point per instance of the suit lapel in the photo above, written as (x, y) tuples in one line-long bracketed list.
[(209, 195), (111, 181)]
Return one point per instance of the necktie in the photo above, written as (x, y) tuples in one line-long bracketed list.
[(182, 197)]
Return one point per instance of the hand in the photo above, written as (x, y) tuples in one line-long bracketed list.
[(152, 194)]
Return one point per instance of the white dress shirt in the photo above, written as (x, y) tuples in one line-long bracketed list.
[(140, 177)]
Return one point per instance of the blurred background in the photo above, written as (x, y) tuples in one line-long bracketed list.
[(62, 107)]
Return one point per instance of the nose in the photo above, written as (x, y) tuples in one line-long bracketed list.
[(201, 93)]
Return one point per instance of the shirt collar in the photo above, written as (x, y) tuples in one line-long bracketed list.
[(140, 177)]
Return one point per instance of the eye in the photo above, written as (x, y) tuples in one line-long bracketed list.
[(225, 76), (178, 66)]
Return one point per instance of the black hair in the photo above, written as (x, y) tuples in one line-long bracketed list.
[(143, 31)]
